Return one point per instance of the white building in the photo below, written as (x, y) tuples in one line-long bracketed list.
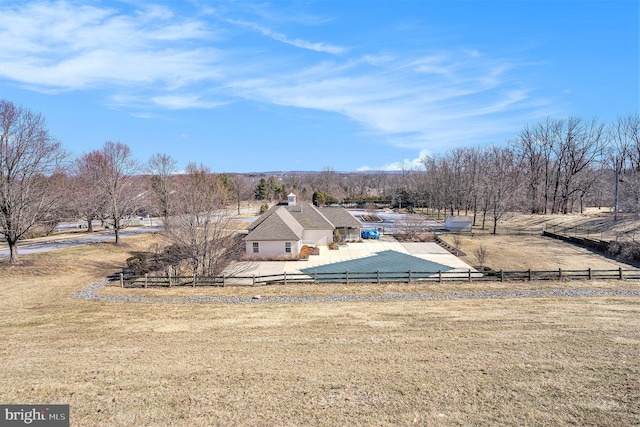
[(284, 229), (458, 224)]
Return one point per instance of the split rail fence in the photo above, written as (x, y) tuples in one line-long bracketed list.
[(376, 277)]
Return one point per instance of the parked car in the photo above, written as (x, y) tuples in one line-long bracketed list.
[(370, 234)]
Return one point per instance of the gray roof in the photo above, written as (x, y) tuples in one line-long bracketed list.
[(279, 225), (310, 217), (264, 216), (340, 217), (284, 222)]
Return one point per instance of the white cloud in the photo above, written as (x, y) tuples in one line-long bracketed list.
[(405, 164), (154, 59), (459, 102), (299, 43), (178, 102), (64, 46)]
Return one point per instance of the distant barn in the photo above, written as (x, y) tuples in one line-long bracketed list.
[(458, 224)]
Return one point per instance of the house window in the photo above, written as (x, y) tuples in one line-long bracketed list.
[(287, 247), (256, 247)]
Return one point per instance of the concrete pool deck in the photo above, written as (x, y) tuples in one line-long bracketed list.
[(429, 251)]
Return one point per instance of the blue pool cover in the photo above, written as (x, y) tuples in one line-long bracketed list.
[(385, 261)]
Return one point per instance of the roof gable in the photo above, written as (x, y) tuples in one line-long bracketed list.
[(279, 225)]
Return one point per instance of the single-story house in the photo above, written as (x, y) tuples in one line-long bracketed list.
[(284, 229), (458, 224)]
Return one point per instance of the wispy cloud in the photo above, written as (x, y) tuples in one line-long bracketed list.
[(299, 43), (64, 46), (402, 104), (153, 59)]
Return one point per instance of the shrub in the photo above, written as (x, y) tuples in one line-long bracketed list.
[(481, 255), (304, 252), (457, 241), (625, 250)]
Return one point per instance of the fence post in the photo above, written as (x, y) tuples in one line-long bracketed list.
[(469, 271), (590, 275), (169, 275), (145, 281), (346, 277), (409, 277), (285, 277), (223, 281), (620, 273), (529, 274), (315, 277), (254, 279), (501, 275), (194, 280), (121, 280), (439, 276), (378, 277), (560, 273)]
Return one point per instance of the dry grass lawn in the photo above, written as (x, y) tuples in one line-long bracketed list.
[(532, 252), (509, 361)]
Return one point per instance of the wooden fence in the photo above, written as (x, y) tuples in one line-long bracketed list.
[(376, 277)]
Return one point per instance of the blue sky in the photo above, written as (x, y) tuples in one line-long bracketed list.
[(244, 86)]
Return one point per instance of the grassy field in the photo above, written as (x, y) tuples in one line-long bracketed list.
[(531, 252), (507, 361)]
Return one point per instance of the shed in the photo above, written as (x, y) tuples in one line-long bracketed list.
[(458, 224)]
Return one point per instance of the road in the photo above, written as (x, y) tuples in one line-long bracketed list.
[(65, 241)]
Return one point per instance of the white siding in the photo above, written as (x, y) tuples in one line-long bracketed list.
[(273, 248), (317, 237), (457, 225)]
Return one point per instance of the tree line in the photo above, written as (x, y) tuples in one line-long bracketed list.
[(553, 166)]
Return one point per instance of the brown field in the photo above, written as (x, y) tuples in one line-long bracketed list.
[(533, 252), (503, 361), (519, 245)]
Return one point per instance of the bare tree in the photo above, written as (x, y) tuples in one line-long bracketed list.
[(581, 146), (60, 184), (412, 224), (501, 181), (625, 158), (370, 208), (327, 180), (457, 240), (533, 145), (201, 225), (87, 198), (162, 168), (241, 189), (113, 171), (28, 156)]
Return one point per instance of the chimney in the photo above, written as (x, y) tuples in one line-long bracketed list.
[(292, 199)]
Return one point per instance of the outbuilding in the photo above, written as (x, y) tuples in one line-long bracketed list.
[(458, 224)]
